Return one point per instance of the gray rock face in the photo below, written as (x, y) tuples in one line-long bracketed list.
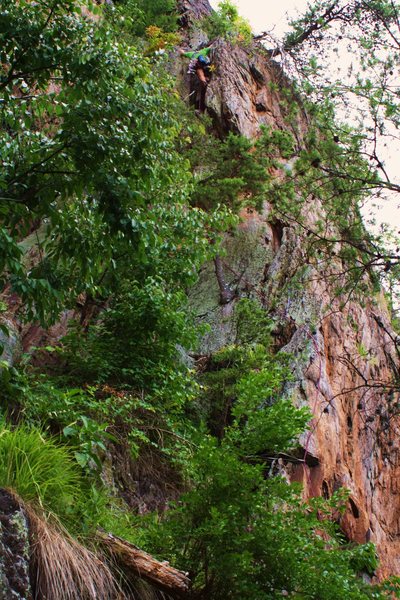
[(9, 343), (193, 10), (14, 550), (246, 254)]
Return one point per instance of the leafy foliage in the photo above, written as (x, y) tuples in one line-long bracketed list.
[(227, 23), (160, 40), (142, 14), (134, 342), (241, 535), (43, 473), (367, 34), (232, 170), (241, 531), (88, 145)]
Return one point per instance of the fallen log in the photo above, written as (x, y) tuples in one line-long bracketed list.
[(158, 573)]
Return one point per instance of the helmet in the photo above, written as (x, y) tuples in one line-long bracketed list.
[(204, 60)]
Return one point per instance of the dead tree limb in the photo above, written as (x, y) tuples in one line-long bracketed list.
[(133, 560)]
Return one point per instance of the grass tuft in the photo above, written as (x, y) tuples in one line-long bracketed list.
[(47, 483), (38, 470), (66, 569)]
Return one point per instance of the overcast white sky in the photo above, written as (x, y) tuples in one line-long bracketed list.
[(265, 14)]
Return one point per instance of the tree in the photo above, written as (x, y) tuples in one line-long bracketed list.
[(242, 532), (226, 22), (87, 145), (344, 168), (368, 32), (365, 36)]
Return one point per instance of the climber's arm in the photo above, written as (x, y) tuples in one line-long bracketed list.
[(195, 53), (187, 54)]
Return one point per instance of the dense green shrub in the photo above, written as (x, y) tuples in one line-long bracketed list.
[(44, 474), (133, 343), (242, 535), (226, 171), (88, 157), (226, 22), (141, 14)]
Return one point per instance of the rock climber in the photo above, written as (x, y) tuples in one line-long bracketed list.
[(200, 64), (199, 67)]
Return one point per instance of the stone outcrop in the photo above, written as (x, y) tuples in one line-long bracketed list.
[(14, 550), (244, 92), (9, 342), (353, 440), (193, 10)]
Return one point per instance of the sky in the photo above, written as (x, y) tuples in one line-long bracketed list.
[(265, 14)]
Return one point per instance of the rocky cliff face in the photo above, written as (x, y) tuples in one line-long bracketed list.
[(244, 93), (353, 438), (193, 10), (14, 550)]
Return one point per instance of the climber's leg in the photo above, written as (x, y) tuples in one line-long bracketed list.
[(202, 77), (202, 102), (204, 82)]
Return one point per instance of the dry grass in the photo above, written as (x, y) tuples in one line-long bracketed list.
[(66, 570), (63, 569)]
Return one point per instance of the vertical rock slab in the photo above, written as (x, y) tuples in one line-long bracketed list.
[(244, 92), (9, 343)]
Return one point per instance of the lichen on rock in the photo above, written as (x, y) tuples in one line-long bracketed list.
[(14, 549)]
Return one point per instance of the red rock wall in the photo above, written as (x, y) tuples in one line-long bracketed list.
[(353, 441)]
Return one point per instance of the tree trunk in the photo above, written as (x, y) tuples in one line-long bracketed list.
[(226, 293)]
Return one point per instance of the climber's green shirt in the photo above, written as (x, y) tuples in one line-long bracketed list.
[(197, 53)]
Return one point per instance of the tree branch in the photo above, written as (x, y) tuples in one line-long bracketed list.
[(136, 562)]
